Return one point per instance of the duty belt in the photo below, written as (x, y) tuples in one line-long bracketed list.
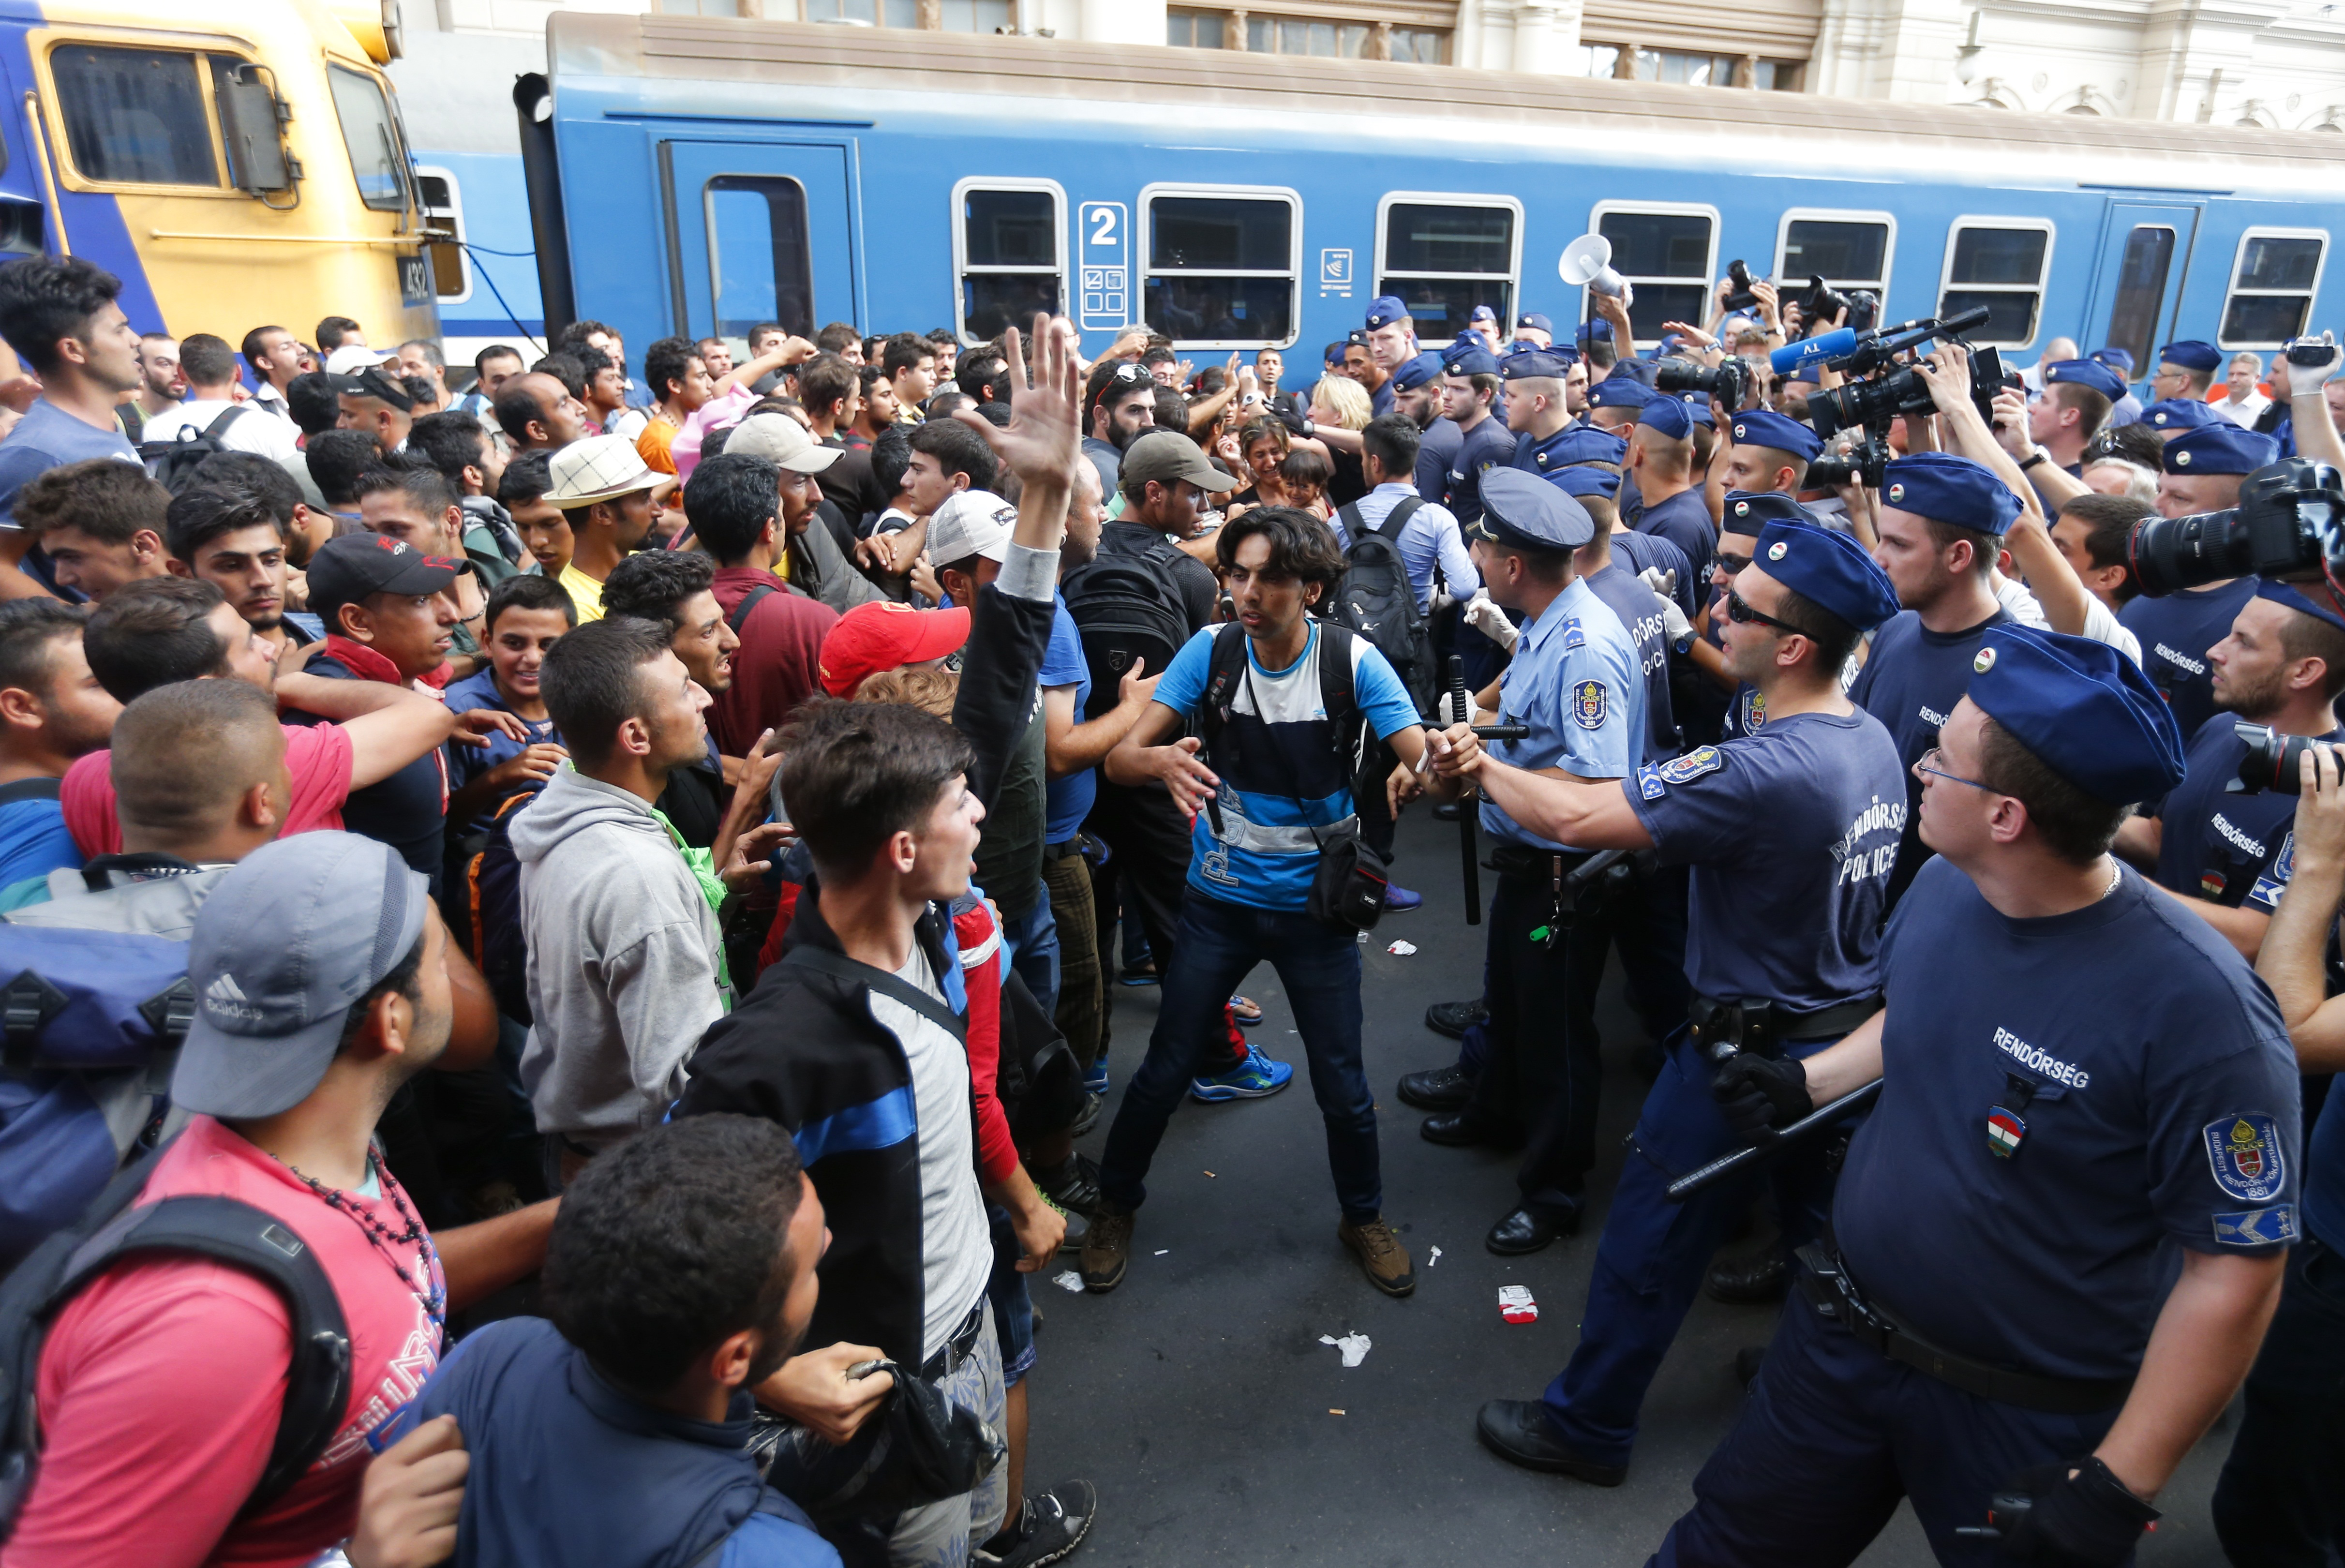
[(1760, 1026), (1534, 865), (1825, 1282)]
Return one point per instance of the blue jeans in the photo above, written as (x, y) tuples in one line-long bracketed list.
[(1029, 946), (1218, 946)]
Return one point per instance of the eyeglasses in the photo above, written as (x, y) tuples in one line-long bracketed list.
[(1924, 765), (1731, 565), (1738, 608)]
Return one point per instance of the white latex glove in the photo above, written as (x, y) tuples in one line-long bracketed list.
[(1665, 584), (1485, 616), (1673, 618)]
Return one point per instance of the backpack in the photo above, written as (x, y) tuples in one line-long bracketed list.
[(92, 1022), (1225, 669), (173, 464), (108, 1230), (1124, 608), (1374, 598), (491, 926)]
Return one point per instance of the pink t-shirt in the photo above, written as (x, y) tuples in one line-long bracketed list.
[(318, 756), (161, 1385)]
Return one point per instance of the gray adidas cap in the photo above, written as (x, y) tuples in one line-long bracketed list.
[(296, 933)]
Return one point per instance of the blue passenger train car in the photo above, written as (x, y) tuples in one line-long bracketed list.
[(714, 174)]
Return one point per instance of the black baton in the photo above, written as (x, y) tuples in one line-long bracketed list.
[(1807, 1126), (1461, 714)]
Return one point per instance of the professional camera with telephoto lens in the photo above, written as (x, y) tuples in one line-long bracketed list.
[(2272, 761), (1741, 299), (2289, 524), (1725, 382), (1861, 464), (1822, 302), (1873, 404)]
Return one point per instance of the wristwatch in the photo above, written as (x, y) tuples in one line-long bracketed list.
[(2038, 455)]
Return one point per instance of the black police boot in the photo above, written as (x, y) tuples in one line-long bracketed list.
[(1518, 1431), (1764, 1277), (1438, 1088), (1527, 1229), (1453, 1018), (1463, 1129)]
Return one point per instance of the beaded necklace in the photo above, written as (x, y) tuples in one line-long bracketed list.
[(382, 1239)]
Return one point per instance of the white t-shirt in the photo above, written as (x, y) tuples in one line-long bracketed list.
[(256, 429), (2101, 623), (956, 1243), (628, 423)]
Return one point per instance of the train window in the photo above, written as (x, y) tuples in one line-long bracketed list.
[(443, 203), (1846, 250), (1011, 241), (975, 16), (2272, 282), (870, 13), (1668, 254), (760, 266), (1222, 265), (2000, 263), (135, 117), (1444, 255), (377, 159), (2142, 272)]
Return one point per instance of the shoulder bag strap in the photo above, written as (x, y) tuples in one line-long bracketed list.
[(806, 955)]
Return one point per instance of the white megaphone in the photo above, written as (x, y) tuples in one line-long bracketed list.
[(1586, 263)]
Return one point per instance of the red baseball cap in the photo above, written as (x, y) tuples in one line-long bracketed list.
[(885, 635)]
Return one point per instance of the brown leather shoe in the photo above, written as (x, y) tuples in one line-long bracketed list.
[(1382, 1257), (1107, 1247)]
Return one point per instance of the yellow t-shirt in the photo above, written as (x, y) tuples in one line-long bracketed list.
[(584, 592)]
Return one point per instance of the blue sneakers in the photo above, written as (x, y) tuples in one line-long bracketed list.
[(1250, 1079), (1399, 900), (1096, 1081)]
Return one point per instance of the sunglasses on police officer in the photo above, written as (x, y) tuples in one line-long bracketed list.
[(1738, 608)]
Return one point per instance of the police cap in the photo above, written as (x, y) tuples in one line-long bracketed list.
[(2181, 414), (1596, 332), (1828, 569), (1583, 480), (2221, 447), (2192, 355), (1384, 310), (1747, 511), (1956, 491), (1668, 416), (2087, 373), (1414, 373), (2116, 359), (1534, 320), (1554, 364), (2083, 708), (1625, 393), (2320, 608), (1761, 427), (1523, 511), (1469, 358)]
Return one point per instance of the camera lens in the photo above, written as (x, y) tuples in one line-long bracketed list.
[(2172, 553), (2272, 761)]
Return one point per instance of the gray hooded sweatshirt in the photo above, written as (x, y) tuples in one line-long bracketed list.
[(622, 949)]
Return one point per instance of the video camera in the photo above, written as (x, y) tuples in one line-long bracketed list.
[(1884, 389), (2289, 524), (1725, 382)]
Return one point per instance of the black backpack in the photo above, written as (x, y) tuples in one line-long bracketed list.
[(318, 1382), (1225, 668), (173, 464), (1125, 607), (1375, 599)]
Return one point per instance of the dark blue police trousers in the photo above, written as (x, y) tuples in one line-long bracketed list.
[(1653, 1254), (1833, 1434)]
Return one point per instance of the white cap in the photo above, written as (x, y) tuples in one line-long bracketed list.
[(782, 442), (352, 358), (971, 523)]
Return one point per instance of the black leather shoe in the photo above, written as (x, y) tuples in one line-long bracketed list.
[(1446, 811), (1518, 1431), (1527, 1230), (1765, 1277), (1464, 1129), (1453, 1018), (1438, 1088)]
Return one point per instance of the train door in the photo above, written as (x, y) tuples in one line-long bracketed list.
[(762, 231), (22, 218), (2144, 257)]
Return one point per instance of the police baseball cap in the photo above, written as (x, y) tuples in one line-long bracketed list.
[(1749, 511), (2191, 354), (1763, 427), (2083, 708), (1955, 490), (1554, 364), (2174, 414), (1384, 310), (1526, 512), (289, 941), (1828, 569), (2221, 447), (375, 383), (970, 523), (349, 569), (2087, 373), (1164, 456), (1469, 358), (1535, 321), (1414, 373)]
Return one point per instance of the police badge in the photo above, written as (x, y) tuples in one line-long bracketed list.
[(1589, 702), (2244, 1153)]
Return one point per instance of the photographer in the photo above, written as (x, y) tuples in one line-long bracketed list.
[(2223, 853), (2278, 1500), (2203, 468), (2308, 393)]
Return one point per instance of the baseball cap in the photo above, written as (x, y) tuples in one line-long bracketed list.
[(599, 468), (352, 358), (970, 523), (287, 941), (375, 383), (782, 442), (884, 635), (1164, 456), (345, 570)]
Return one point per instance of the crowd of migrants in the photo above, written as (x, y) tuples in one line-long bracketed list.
[(563, 935)]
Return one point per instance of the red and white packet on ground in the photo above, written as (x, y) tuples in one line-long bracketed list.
[(1515, 1306)]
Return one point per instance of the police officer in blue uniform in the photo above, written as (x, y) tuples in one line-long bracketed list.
[(2203, 467), (1387, 319), (2070, 438), (1682, 516), (1790, 834), (2185, 369), (2226, 854), (1943, 519), (1998, 1308), (1745, 515), (2175, 415), (1547, 437), (1574, 679), (1417, 388), (1484, 441)]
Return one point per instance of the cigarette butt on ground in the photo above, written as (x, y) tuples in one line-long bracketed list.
[(1209, 1176), (1334, 1412)]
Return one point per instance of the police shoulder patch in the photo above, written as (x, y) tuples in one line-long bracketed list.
[(2244, 1153), (1648, 781), (1683, 770), (2284, 868), (1574, 635), (1589, 704), (2271, 1226)]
